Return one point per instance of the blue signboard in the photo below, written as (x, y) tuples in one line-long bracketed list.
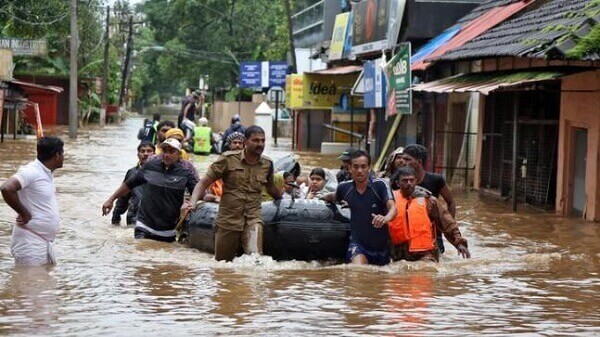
[(348, 43), (263, 74), (277, 72), (374, 85), (250, 74)]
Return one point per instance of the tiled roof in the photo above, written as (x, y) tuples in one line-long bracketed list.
[(484, 7), (474, 28), (546, 32)]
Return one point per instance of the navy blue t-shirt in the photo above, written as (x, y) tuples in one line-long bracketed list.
[(372, 201)]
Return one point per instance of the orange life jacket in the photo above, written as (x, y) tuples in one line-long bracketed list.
[(216, 188), (412, 224)]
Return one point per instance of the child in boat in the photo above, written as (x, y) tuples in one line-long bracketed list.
[(321, 181), (289, 188)]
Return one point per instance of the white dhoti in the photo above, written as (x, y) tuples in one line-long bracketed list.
[(31, 249)]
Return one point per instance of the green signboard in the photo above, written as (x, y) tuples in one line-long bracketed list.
[(399, 75)]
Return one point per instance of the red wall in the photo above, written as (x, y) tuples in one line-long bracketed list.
[(62, 99), (47, 102)]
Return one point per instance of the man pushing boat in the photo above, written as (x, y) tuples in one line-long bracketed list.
[(244, 173)]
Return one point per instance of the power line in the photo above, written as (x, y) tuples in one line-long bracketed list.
[(47, 23), (227, 17), (29, 12)]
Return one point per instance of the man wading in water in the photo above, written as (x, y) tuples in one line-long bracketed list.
[(420, 216), (32, 194), (244, 173), (130, 202), (166, 179), (414, 156), (371, 208)]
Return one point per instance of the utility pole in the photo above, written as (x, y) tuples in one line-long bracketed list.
[(73, 108), (105, 70), (127, 60), (288, 11)]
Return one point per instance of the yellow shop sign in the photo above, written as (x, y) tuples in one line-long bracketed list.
[(293, 91), (323, 91)]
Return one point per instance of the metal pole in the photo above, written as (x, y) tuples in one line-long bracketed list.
[(240, 100), (367, 140), (276, 115), (15, 123), (491, 103), (351, 122), (3, 122), (308, 130), (515, 150), (1, 115), (105, 70), (433, 133), (468, 140), (293, 121), (126, 63), (73, 108)]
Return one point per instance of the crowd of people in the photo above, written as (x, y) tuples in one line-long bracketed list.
[(395, 214)]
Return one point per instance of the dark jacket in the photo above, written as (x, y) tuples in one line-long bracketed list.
[(163, 192), (237, 126)]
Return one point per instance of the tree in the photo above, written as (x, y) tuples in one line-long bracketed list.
[(209, 37)]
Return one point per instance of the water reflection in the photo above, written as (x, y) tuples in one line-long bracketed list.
[(408, 300), (235, 296), (33, 305), (162, 288)]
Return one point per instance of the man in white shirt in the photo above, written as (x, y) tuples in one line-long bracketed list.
[(32, 194)]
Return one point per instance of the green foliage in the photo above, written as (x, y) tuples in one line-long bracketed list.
[(208, 37), (180, 40), (232, 95), (50, 20), (587, 45)]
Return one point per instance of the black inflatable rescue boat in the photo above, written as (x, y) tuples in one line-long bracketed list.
[(294, 229)]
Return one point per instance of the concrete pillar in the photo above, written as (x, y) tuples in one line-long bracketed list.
[(263, 119)]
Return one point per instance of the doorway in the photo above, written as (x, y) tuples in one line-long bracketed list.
[(579, 165)]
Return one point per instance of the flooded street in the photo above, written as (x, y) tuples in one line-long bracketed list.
[(531, 273)]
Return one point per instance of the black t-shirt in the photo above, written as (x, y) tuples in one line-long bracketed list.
[(434, 183)]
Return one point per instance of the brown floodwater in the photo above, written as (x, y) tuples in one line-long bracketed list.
[(531, 273)]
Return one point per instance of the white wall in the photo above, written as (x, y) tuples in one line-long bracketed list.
[(305, 63)]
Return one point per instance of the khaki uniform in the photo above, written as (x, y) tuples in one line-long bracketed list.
[(442, 220), (240, 217)]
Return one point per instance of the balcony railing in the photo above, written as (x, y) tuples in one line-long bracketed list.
[(307, 24)]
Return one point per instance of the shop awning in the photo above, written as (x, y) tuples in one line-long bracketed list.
[(486, 82), (345, 70), (52, 88)]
